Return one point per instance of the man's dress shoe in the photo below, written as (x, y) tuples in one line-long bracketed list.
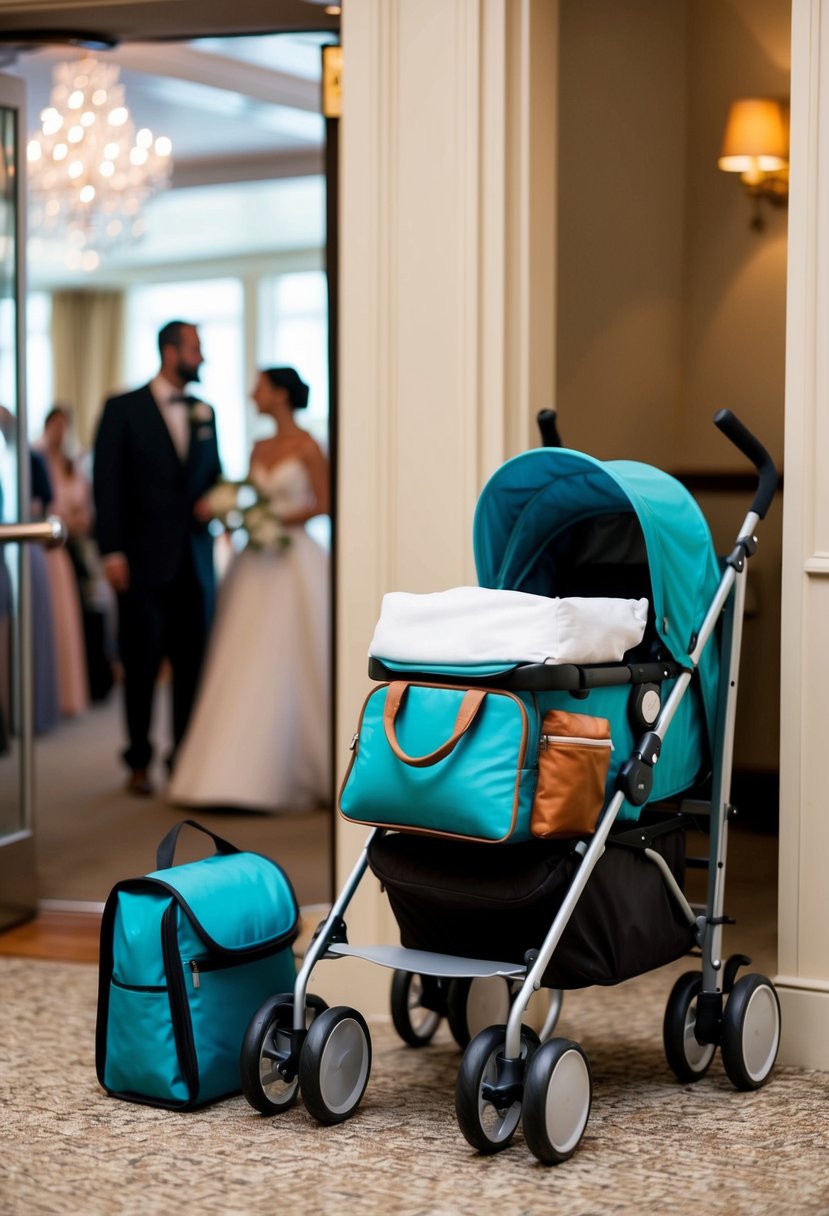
[(139, 783)]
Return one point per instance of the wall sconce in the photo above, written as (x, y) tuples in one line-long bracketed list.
[(756, 145)]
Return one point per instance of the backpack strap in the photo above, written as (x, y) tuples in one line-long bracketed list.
[(166, 850)]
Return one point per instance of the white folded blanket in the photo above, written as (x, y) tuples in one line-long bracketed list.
[(480, 625)]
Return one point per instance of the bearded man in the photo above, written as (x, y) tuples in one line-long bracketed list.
[(156, 457)]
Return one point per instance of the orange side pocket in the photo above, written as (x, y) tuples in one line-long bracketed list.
[(573, 763)]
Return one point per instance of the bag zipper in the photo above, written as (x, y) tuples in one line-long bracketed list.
[(179, 1005), (207, 963), (538, 721), (579, 740), (137, 987)]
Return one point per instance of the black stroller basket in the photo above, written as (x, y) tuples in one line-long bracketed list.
[(446, 894)]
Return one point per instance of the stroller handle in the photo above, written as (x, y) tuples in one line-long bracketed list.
[(751, 447), (548, 427)]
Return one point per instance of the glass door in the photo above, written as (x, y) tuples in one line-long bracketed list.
[(18, 895)]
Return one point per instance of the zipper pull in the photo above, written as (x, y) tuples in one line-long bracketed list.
[(194, 971), (353, 744)]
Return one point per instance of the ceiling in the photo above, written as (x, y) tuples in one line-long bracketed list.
[(160, 20), (242, 112)]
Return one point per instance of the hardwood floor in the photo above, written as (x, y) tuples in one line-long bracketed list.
[(91, 834), (752, 898), (61, 936)]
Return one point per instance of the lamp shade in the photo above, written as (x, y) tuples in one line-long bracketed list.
[(756, 137)]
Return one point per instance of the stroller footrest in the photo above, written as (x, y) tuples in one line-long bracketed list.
[(424, 962)]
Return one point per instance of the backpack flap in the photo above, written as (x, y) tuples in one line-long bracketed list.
[(237, 903)]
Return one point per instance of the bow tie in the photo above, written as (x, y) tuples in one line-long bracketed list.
[(180, 399)]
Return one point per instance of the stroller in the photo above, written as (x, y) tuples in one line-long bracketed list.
[(591, 900)]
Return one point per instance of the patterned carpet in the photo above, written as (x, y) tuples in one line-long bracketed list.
[(651, 1145)]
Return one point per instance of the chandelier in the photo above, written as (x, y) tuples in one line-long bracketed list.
[(90, 171)]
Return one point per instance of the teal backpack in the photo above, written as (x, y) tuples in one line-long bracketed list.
[(188, 954)]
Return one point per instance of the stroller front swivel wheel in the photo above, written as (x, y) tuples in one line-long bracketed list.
[(558, 1094), (688, 1059), (335, 1064), (268, 1074), (750, 1032), (488, 1119), (417, 1006)]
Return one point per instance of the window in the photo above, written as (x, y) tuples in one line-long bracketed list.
[(293, 332), (216, 306), (38, 359), (291, 329), (39, 378)]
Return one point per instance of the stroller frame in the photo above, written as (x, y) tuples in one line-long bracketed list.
[(694, 1020)]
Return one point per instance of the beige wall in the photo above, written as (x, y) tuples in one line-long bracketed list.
[(734, 324), (622, 102), (734, 321), (669, 305)]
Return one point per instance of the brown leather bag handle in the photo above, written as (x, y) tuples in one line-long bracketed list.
[(471, 703)]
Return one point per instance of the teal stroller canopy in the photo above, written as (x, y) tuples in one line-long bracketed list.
[(532, 502)]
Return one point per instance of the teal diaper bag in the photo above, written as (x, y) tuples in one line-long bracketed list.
[(188, 954), (446, 761)]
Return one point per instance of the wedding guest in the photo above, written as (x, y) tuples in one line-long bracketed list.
[(71, 501), (44, 667), (259, 736), (45, 660), (156, 456)]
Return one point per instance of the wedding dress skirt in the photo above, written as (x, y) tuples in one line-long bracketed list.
[(259, 736)]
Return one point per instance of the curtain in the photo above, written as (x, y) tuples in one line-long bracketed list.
[(87, 348)]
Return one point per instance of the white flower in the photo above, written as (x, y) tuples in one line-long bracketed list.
[(238, 504), (267, 533), (200, 411), (255, 516)]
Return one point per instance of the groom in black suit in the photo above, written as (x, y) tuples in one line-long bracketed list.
[(156, 456)]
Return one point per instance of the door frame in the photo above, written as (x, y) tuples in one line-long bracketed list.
[(18, 876), (25, 640)]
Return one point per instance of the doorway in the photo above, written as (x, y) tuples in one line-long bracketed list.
[(237, 242)]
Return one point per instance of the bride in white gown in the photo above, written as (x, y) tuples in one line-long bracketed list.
[(259, 733)]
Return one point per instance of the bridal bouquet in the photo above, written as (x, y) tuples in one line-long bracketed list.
[(238, 506)]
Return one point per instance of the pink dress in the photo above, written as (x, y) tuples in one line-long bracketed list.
[(71, 501)]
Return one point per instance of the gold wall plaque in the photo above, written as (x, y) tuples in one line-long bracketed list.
[(332, 81)]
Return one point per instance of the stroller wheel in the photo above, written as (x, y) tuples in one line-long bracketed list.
[(557, 1097), (688, 1059), (268, 1073), (335, 1064), (472, 1005), (750, 1032), (417, 1005), (488, 1119)]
